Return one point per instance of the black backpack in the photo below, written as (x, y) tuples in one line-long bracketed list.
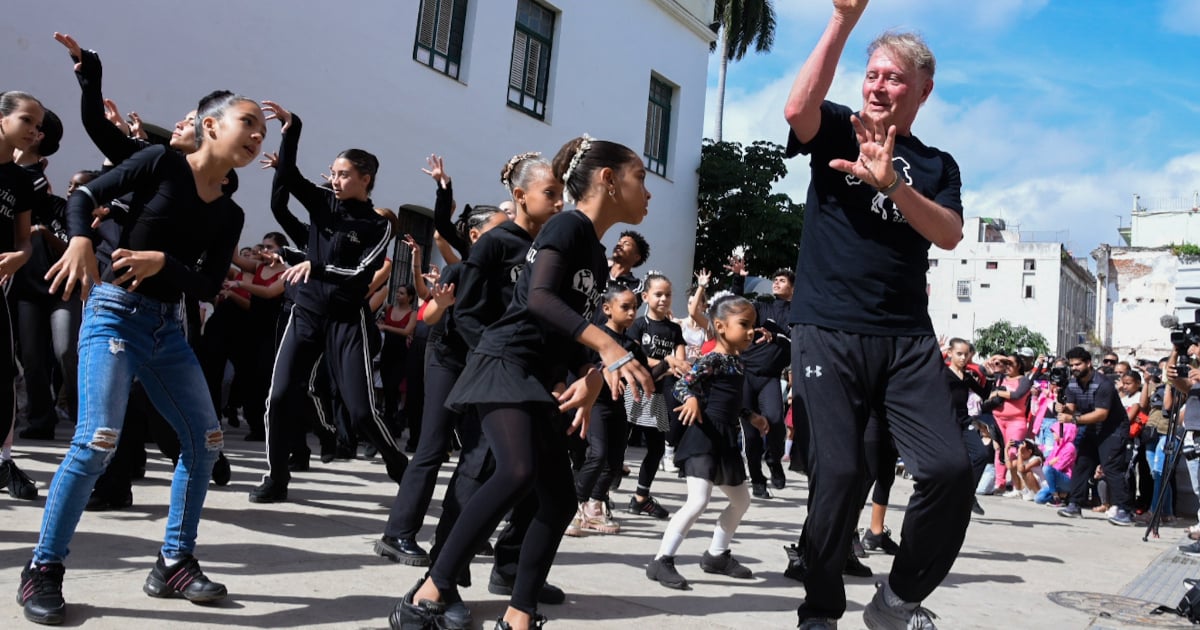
[(1189, 606)]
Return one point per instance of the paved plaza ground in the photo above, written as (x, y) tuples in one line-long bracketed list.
[(309, 562)]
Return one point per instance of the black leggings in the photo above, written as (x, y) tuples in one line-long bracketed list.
[(656, 444), (416, 488), (530, 454), (606, 438)]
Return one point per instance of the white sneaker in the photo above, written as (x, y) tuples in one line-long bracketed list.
[(1011, 494), (1027, 494), (1112, 511), (668, 460)]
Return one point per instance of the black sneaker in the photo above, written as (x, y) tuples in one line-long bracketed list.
[(549, 593), (221, 472), (649, 507), (409, 616), (796, 569), (1071, 511), (184, 578), (662, 570), (759, 490), (978, 509), (538, 621), (402, 550), (269, 491), (41, 593), (855, 568), (298, 462), (20, 486), (778, 479), (102, 502), (880, 542), (725, 564)]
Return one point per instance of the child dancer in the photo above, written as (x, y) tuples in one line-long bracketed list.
[(132, 329), (708, 453), (662, 341), (608, 430)]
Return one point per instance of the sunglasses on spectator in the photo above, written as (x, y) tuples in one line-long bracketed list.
[(1109, 361)]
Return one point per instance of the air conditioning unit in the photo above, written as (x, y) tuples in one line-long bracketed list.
[(963, 290)]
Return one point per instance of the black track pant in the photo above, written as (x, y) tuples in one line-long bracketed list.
[(8, 368), (437, 425), (607, 432), (530, 452), (344, 344), (842, 378), (880, 459), (655, 442), (764, 395), (1108, 450)]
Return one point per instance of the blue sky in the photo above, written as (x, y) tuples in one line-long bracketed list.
[(1057, 112)]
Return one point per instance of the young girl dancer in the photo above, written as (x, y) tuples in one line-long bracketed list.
[(346, 245), (483, 288), (708, 453), (608, 430), (20, 118), (662, 340), (132, 329), (520, 360)]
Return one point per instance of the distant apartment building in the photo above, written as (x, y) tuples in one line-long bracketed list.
[(993, 274)]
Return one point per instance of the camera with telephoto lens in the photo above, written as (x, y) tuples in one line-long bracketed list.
[(1190, 452), (1184, 335)]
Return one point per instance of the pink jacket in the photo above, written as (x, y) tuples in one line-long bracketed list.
[(1062, 456)]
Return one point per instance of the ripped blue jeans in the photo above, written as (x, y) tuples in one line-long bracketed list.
[(126, 336)]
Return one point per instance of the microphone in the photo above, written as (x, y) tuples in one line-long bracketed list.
[(1168, 321), (1192, 300)]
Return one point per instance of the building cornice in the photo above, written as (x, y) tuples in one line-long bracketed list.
[(696, 23)]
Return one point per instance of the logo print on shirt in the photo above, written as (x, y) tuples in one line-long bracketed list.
[(353, 237), (880, 204), (585, 283), (812, 370), (515, 273)]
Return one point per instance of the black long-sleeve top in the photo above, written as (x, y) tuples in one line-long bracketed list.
[(165, 214), (347, 239), (767, 359), (115, 146), (960, 391), (554, 299), (443, 221), (489, 275)]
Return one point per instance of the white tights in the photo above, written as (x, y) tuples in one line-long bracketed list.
[(699, 493)]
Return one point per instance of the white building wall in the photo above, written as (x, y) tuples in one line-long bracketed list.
[(1142, 288), (998, 278), (348, 70), (1160, 229)]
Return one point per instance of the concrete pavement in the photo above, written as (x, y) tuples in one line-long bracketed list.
[(309, 562)]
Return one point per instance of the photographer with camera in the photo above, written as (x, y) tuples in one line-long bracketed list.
[(1093, 404), (1186, 378), (1156, 397)]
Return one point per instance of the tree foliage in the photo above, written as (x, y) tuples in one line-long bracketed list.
[(739, 208), (1004, 337), (744, 23)]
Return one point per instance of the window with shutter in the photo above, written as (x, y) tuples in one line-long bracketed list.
[(658, 125), (440, 28), (529, 72)]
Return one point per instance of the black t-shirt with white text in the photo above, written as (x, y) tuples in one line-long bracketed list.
[(556, 296), (861, 266), (658, 338), (16, 196)]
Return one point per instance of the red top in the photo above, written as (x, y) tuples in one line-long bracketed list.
[(241, 277)]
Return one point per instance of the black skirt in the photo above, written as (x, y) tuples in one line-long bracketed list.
[(711, 451), (493, 380)]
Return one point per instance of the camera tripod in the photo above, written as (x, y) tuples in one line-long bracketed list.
[(1172, 449)]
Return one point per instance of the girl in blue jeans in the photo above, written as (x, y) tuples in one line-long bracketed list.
[(132, 328)]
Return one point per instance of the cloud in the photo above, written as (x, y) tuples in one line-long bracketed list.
[(1181, 16)]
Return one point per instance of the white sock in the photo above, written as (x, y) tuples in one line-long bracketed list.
[(787, 447), (6, 454), (670, 543), (170, 562)]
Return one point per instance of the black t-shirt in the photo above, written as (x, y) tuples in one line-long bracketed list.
[(165, 214), (555, 297), (444, 338), (658, 338), (861, 266), (1100, 393), (16, 196), (639, 355), (488, 277)]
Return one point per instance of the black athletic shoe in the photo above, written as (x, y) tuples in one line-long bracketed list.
[(778, 479), (855, 568), (221, 472), (725, 564), (978, 509), (402, 550), (538, 621), (759, 490), (880, 542), (41, 593), (20, 486), (298, 462), (409, 616), (101, 502), (184, 578), (549, 593), (269, 491), (649, 507), (662, 570), (796, 569)]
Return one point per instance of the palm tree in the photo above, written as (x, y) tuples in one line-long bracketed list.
[(741, 24)]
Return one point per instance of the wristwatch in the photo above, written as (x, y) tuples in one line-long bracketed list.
[(1075, 418)]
